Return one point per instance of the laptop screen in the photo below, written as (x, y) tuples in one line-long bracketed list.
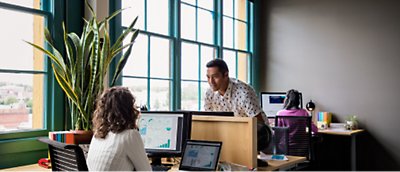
[(200, 155)]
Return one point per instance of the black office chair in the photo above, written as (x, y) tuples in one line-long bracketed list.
[(65, 157), (299, 134)]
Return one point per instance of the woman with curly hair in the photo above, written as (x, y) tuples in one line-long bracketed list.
[(116, 144)]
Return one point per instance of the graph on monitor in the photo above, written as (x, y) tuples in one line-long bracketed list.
[(159, 131)]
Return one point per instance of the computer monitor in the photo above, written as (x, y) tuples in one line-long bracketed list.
[(212, 113), (164, 133), (272, 102)]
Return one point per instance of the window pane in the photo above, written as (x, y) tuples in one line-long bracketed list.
[(243, 65), (230, 59), (159, 94), (132, 9), (204, 86), (188, 22), (24, 27), (240, 35), (25, 3), (240, 9), (21, 102), (137, 62), (207, 54), (157, 16), (190, 61), (160, 57), (190, 95), (228, 8), (207, 4), (193, 2), (206, 26), (228, 32), (138, 88)]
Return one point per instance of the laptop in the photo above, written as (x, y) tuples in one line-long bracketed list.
[(200, 155)]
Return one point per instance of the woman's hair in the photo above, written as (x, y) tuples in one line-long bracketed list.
[(115, 112), (292, 100)]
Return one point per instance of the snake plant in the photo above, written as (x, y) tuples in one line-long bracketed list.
[(83, 68)]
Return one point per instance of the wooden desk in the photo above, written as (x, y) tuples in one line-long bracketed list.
[(350, 133), (31, 167), (274, 165)]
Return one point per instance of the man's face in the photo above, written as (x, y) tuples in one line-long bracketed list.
[(215, 78)]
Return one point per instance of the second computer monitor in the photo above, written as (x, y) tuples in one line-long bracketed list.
[(272, 102), (164, 133)]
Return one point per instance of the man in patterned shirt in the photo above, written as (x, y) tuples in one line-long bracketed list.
[(229, 94)]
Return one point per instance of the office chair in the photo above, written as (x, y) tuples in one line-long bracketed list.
[(65, 157), (299, 142)]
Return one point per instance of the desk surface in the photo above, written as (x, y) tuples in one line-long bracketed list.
[(31, 167), (272, 165), (340, 132), (276, 165)]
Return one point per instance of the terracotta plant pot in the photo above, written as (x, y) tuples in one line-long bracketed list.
[(82, 136)]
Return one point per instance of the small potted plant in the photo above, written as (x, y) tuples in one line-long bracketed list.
[(351, 122)]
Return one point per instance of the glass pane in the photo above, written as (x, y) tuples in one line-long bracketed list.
[(138, 88), (240, 35), (132, 9), (25, 3), (157, 16), (207, 4), (15, 53), (240, 9), (160, 94), (205, 27), (230, 59), (188, 22), (190, 95), (243, 67), (137, 62), (207, 54), (228, 32), (21, 102), (160, 57), (228, 7), (203, 87), (190, 61), (193, 2)]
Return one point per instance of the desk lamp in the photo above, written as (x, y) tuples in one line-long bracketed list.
[(310, 106)]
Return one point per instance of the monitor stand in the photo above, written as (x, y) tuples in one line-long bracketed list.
[(156, 161)]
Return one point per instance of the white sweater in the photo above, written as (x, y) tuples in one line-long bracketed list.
[(118, 152)]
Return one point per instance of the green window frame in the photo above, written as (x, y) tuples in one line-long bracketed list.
[(178, 38), (21, 147)]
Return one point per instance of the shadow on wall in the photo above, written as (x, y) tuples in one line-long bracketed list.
[(372, 155)]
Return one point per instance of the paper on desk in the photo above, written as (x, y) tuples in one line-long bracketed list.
[(265, 157)]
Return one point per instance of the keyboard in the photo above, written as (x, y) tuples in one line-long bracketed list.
[(160, 168)]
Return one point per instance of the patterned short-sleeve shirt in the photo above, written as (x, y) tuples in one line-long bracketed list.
[(239, 98)]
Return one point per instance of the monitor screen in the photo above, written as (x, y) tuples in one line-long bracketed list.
[(212, 113), (164, 133), (272, 102), (200, 155)]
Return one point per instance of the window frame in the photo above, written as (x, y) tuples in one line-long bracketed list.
[(175, 35)]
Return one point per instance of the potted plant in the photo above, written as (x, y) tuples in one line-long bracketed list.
[(81, 72), (351, 122)]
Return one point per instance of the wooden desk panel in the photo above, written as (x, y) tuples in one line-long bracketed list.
[(341, 132), (238, 136)]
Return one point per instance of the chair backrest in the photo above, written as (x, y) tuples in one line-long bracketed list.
[(299, 142), (65, 157), (280, 140)]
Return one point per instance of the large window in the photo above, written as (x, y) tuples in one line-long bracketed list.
[(22, 68), (178, 38)]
